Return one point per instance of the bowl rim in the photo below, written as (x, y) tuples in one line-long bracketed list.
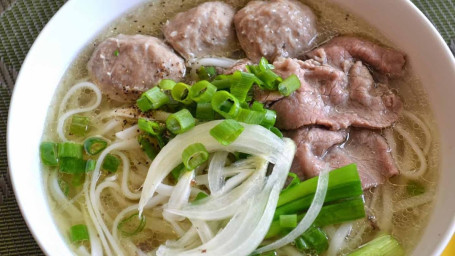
[(23, 199)]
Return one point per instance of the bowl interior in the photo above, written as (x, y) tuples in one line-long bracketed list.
[(79, 21)]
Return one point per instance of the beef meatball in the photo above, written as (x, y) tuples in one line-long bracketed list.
[(125, 66), (275, 28), (206, 30)]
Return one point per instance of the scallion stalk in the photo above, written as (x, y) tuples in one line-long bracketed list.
[(204, 111), (71, 165), (156, 97), (288, 221), (194, 155), (314, 240), (385, 245)]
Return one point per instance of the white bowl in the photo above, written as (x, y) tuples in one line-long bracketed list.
[(79, 21)]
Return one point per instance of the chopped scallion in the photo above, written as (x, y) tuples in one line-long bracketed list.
[(314, 240), (79, 233), (384, 245), (63, 185), (111, 163), (131, 225), (90, 165), (288, 221), (289, 85), (276, 131), (144, 104), (194, 155), (269, 118), (225, 104), (177, 171), (204, 111), (94, 145), (227, 131), (150, 127), (206, 73), (79, 125), (156, 97), (202, 91), (180, 121), (70, 149), (181, 93), (77, 179), (242, 82), (167, 84), (200, 196), (250, 116), (71, 165), (148, 147), (48, 153)]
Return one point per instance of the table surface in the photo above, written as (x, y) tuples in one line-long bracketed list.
[(20, 23)]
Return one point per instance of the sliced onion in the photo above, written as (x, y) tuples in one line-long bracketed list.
[(248, 227), (179, 197), (188, 238), (225, 206), (254, 140), (217, 62), (215, 172), (128, 133), (203, 229), (309, 218), (233, 182)]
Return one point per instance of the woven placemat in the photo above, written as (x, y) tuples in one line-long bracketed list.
[(20, 23)]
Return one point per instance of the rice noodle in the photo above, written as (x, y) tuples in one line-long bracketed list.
[(62, 201), (413, 202), (384, 221), (109, 126), (69, 94), (255, 140), (215, 172), (125, 174), (420, 155), (424, 127)]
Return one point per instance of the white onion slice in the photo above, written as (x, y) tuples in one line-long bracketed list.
[(254, 140), (225, 206), (309, 218), (215, 172), (203, 229), (179, 197), (248, 227)]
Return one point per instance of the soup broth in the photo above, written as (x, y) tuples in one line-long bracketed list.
[(399, 207)]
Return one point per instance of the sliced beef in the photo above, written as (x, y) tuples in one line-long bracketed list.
[(335, 98), (206, 30), (126, 65), (318, 149), (341, 49), (275, 28)]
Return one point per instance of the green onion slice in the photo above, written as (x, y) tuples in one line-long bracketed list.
[(63, 185), (131, 225), (48, 153), (202, 91), (194, 155), (111, 163), (79, 125), (94, 145), (180, 121), (71, 165), (269, 118), (227, 131), (148, 126), (156, 97), (144, 104), (242, 84), (78, 179), (288, 221), (90, 165), (148, 147), (225, 104), (204, 111), (70, 149), (289, 85), (79, 233), (250, 116), (181, 93), (167, 84), (276, 131), (206, 73)]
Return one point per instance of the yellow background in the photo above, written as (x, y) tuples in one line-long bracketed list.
[(450, 249)]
